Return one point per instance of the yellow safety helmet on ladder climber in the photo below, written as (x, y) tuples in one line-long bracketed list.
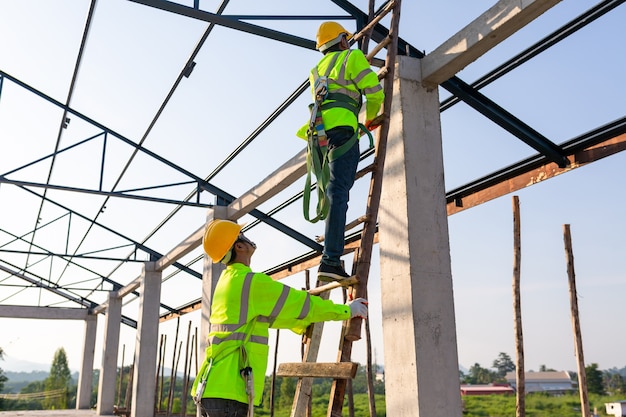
[(329, 34), (219, 238)]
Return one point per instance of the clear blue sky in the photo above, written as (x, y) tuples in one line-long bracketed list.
[(134, 54)]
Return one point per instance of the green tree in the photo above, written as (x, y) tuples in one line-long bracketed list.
[(614, 383), (31, 404), (503, 364), (594, 379), (479, 375), (544, 368), (3, 377), (60, 378), (287, 391)]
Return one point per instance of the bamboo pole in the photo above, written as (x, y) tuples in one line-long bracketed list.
[(196, 347), (578, 342), (371, 395), (170, 406), (119, 386), (161, 369), (183, 400), (129, 388), (520, 401), (273, 384), (170, 396), (189, 383)]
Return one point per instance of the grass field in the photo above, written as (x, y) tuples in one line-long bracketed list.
[(537, 405)]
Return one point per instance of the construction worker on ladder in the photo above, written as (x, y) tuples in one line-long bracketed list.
[(338, 83), (244, 306)]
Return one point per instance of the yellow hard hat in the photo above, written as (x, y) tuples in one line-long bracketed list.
[(219, 237), (329, 34)]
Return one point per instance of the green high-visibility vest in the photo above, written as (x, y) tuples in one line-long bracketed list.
[(244, 306)]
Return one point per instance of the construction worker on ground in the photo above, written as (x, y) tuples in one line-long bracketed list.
[(244, 306), (338, 83)]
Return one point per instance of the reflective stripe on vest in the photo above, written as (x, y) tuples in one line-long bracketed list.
[(243, 315), (215, 340), (340, 83)]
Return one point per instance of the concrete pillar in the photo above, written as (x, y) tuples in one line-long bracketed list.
[(85, 377), (421, 361), (210, 275), (147, 342), (108, 370)]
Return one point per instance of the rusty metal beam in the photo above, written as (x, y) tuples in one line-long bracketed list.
[(549, 170)]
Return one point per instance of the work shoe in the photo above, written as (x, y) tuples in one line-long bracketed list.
[(328, 273)]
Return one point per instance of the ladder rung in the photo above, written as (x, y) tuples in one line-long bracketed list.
[(378, 47), (357, 222), (335, 370), (335, 284), (366, 170)]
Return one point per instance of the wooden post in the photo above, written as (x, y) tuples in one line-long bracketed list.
[(183, 401), (170, 395), (520, 403), (119, 386), (578, 342), (371, 395), (163, 345)]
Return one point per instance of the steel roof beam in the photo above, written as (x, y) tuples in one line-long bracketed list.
[(228, 22), (552, 39), (581, 151), (473, 98), (202, 184)]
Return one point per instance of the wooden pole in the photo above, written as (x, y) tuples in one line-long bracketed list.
[(170, 395), (520, 402), (160, 370), (192, 349), (119, 386), (186, 369), (129, 388), (578, 342), (170, 406), (371, 395)]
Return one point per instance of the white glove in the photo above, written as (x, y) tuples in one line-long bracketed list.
[(358, 308)]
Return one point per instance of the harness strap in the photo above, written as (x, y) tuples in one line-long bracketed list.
[(318, 156), (318, 163), (343, 101), (244, 337), (316, 151)]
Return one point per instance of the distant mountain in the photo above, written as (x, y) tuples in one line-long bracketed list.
[(10, 364), (18, 380), (26, 376)]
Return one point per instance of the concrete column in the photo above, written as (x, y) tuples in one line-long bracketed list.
[(108, 370), (210, 275), (421, 361), (147, 342), (85, 378)]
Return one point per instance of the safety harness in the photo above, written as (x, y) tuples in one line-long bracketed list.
[(318, 156), (245, 370)]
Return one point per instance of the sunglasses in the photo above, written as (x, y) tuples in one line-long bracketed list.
[(242, 238)]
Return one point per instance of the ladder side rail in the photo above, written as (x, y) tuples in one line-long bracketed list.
[(369, 228), (364, 254)]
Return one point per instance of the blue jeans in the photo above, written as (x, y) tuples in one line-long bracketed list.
[(219, 407), (342, 174)]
